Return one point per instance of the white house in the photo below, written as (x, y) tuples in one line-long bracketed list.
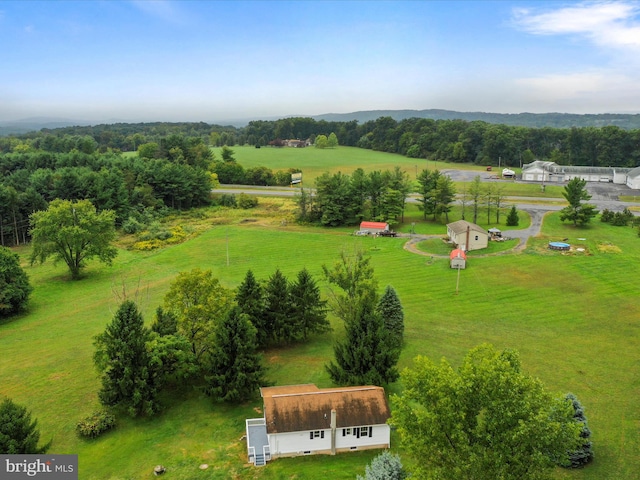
[(467, 236), (307, 420)]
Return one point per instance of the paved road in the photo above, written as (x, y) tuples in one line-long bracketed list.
[(604, 195)]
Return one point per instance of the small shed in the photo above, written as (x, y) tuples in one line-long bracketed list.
[(458, 259), (373, 227), (467, 236)]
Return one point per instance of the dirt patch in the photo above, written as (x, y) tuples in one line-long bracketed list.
[(608, 248)]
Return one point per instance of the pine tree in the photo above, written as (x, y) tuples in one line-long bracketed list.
[(122, 357), (236, 370), (250, 299), (584, 454), (278, 309), (18, 434), (166, 323), (309, 310), (513, 219), (390, 308), (367, 356), (579, 213)]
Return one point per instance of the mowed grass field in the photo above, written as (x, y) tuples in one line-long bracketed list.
[(314, 162), (574, 318)]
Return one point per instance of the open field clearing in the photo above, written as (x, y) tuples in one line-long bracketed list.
[(575, 318)]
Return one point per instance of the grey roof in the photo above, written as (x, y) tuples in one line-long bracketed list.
[(538, 164), (461, 226), (634, 172)]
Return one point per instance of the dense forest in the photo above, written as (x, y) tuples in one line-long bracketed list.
[(457, 141), (175, 167)]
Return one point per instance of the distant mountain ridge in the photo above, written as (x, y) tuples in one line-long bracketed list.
[(627, 121), (556, 120)]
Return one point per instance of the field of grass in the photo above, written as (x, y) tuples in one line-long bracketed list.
[(573, 317)]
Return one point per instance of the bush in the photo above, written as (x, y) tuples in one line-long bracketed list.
[(96, 424), (131, 226), (606, 216), (246, 201), (228, 200)]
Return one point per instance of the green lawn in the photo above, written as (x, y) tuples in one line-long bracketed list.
[(573, 317)]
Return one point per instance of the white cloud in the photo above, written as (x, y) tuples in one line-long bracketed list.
[(608, 24), (595, 90)]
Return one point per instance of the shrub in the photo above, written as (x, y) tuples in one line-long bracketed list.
[(131, 226), (228, 200), (606, 216), (246, 201), (513, 218), (96, 424)]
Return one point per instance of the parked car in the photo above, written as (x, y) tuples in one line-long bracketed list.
[(387, 233), (362, 232)]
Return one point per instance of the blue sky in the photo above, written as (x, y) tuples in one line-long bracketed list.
[(157, 60)]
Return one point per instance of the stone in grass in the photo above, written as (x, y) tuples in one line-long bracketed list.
[(159, 470), (204, 466)]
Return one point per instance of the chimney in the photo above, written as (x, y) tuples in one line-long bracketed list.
[(333, 431)]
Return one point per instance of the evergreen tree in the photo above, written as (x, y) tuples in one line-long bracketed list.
[(14, 284), (427, 181), (584, 454), (166, 323), (18, 434), (513, 219), (367, 356), (385, 466), (390, 308), (250, 299), (579, 213), (122, 358), (309, 310), (278, 309), (236, 370), (444, 195)]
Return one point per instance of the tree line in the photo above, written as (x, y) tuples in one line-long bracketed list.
[(458, 141)]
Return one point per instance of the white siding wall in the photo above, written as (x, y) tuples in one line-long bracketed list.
[(297, 443), (381, 435)]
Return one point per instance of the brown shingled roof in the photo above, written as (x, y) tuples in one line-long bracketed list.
[(306, 407)]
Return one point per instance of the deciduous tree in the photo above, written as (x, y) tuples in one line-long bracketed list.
[(72, 231), (199, 303), (353, 275), (487, 419)]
